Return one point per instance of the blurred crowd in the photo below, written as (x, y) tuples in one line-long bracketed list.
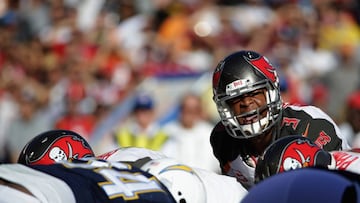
[(68, 63)]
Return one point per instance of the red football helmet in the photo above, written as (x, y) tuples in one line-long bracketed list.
[(241, 73), (290, 153), (53, 146)]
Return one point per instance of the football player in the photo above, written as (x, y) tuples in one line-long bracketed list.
[(211, 187), (80, 181), (184, 183), (247, 95)]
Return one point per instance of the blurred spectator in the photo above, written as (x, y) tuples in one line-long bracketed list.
[(190, 133), (320, 97), (351, 126), (76, 120), (75, 116), (140, 129), (337, 27), (28, 124), (35, 15), (8, 113), (173, 32), (288, 92), (339, 33), (341, 81), (111, 46)]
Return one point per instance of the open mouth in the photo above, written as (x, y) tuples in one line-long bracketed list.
[(252, 116), (249, 118)]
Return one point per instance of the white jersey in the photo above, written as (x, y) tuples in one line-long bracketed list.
[(346, 160), (44, 188), (192, 146), (10, 195), (219, 188), (131, 154)]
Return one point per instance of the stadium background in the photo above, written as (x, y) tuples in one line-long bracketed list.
[(98, 54)]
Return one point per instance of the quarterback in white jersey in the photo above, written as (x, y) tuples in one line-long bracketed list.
[(294, 152), (217, 188)]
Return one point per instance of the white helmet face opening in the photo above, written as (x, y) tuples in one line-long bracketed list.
[(255, 122), (180, 180)]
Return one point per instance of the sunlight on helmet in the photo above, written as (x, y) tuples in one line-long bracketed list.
[(181, 180)]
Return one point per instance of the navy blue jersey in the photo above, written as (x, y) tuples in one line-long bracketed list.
[(99, 181)]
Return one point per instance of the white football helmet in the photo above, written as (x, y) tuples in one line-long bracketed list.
[(181, 180)]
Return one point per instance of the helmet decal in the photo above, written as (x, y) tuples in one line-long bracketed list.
[(57, 154), (236, 85), (298, 154), (217, 73), (263, 65), (291, 153), (63, 148)]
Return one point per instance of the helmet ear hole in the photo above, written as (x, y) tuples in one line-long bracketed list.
[(182, 201)]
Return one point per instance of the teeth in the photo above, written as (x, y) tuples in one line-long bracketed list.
[(250, 118)]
